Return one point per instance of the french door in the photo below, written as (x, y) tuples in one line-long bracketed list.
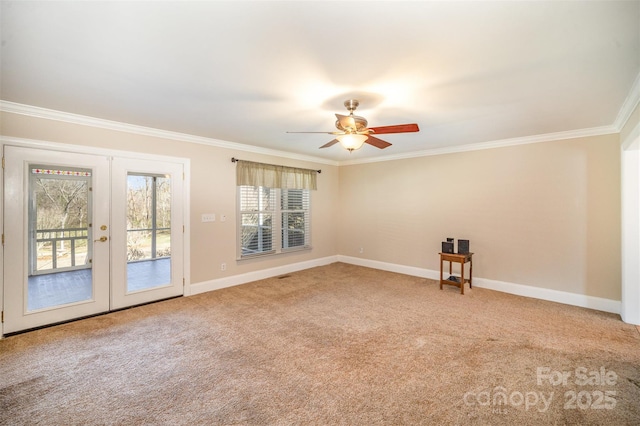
[(147, 250), (86, 234)]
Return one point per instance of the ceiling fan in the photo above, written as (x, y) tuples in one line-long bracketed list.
[(353, 131)]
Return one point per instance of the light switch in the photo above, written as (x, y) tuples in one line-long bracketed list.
[(209, 217)]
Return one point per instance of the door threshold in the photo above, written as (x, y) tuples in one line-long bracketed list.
[(15, 333)]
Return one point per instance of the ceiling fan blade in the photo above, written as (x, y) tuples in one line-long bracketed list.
[(347, 122), (378, 143), (331, 143), (324, 133), (399, 128)]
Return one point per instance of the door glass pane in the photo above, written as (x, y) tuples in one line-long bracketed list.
[(148, 231), (59, 253)]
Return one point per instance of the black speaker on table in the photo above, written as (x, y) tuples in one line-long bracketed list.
[(447, 247), (463, 246)]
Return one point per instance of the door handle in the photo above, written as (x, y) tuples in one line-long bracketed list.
[(101, 239)]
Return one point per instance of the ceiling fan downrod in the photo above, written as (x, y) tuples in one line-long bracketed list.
[(351, 105)]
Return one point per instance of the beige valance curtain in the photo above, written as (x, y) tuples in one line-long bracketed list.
[(272, 176)]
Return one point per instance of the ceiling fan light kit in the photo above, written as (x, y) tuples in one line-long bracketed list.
[(352, 141), (353, 131)]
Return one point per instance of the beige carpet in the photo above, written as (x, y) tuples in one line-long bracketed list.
[(339, 344)]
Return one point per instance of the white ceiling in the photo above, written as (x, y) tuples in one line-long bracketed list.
[(247, 72)]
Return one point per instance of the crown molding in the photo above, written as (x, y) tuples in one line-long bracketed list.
[(547, 137), (631, 102), (629, 105), (49, 114)]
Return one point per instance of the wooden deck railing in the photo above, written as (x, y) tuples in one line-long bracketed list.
[(55, 236)]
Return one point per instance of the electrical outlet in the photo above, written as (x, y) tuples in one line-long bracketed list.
[(223, 266), (361, 250), (209, 217)]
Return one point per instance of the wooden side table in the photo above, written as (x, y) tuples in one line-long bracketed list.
[(461, 259)]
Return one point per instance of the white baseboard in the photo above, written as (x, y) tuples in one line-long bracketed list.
[(575, 299), (391, 267), (597, 303), (262, 274)]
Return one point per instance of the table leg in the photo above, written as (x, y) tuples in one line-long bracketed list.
[(462, 277), (470, 273), (440, 272)]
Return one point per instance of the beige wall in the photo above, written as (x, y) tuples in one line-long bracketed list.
[(544, 215), (213, 190)]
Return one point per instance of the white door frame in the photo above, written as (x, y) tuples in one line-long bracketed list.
[(81, 149), (630, 164)]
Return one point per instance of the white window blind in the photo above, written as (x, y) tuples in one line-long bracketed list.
[(273, 220), (257, 216), (294, 207)]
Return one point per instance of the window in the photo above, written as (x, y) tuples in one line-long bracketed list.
[(294, 208), (273, 207), (273, 220)]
